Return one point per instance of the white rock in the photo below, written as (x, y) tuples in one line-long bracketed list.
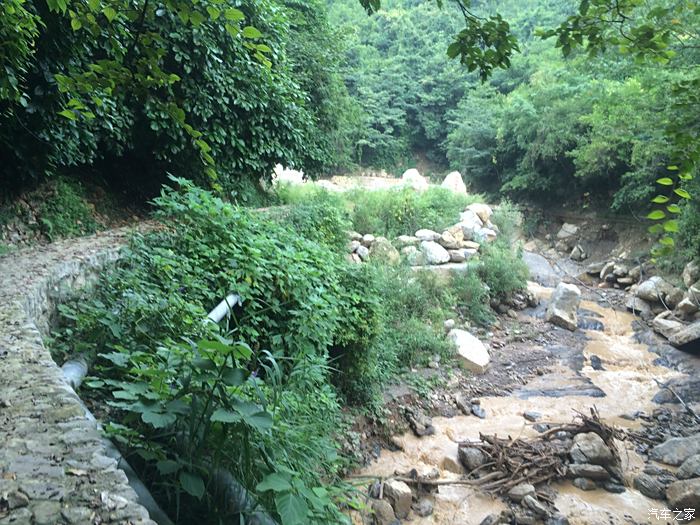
[(413, 179), (567, 230), (427, 235), (483, 211), (471, 352), (400, 496), (687, 307), (362, 252), (434, 253), (353, 246), (486, 234), (284, 175), (461, 255), (654, 289), (368, 239), (691, 273), (563, 306), (454, 182)]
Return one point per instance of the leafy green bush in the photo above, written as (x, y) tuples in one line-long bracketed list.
[(266, 385), (472, 297), (502, 269)]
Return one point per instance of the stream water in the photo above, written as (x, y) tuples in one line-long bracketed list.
[(624, 383)]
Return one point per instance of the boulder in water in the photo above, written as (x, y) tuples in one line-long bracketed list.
[(563, 306), (470, 351)]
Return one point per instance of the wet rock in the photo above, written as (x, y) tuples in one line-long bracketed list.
[(676, 450), (596, 363), (463, 404), (423, 508), (541, 427), (520, 491), (687, 337), (400, 496), (690, 468), (584, 484), (654, 289), (472, 458), (427, 235), (649, 486), (531, 415), (586, 470), (421, 424), (434, 253), (638, 307), (491, 519), (590, 448), (684, 494), (563, 305), (614, 488), (479, 411), (383, 512), (666, 327), (535, 506), (471, 352), (595, 268), (453, 182), (691, 273)]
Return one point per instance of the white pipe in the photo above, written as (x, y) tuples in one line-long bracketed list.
[(223, 309)]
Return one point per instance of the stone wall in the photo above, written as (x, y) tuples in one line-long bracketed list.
[(54, 467)]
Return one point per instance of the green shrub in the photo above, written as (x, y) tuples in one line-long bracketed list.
[(508, 219), (502, 269), (472, 297)]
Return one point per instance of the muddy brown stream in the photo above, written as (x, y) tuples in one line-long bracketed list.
[(627, 379)]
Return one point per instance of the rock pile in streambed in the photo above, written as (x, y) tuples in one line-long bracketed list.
[(456, 244)]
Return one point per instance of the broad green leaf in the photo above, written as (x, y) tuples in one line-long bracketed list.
[(685, 176), (261, 421), (68, 114), (275, 482), (75, 24), (167, 466), (251, 32), (214, 13), (192, 484), (233, 376), (667, 241), (673, 208), (291, 508), (660, 199), (665, 181), (656, 215), (671, 226), (157, 419), (672, 168), (682, 193), (225, 416), (234, 14), (110, 13)]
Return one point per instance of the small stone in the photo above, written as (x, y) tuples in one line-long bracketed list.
[(400, 496), (427, 235), (472, 458), (649, 486), (520, 491), (463, 404), (541, 427), (423, 508), (535, 506), (449, 324), (585, 470), (584, 484), (383, 512), (690, 468), (684, 494), (614, 488), (478, 411), (531, 415), (590, 448)]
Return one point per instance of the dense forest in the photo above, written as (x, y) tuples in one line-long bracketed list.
[(187, 107)]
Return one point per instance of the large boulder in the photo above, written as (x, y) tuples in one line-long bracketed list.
[(688, 338), (691, 273), (563, 305), (638, 307), (687, 307), (451, 241), (567, 231), (483, 211), (666, 327), (684, 494), (676, 450), (383, 512), (453, 182), (413, 179), (690, 468), (654, 289), (383, 251), (471, 352), (434, 253), (590, 448)]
